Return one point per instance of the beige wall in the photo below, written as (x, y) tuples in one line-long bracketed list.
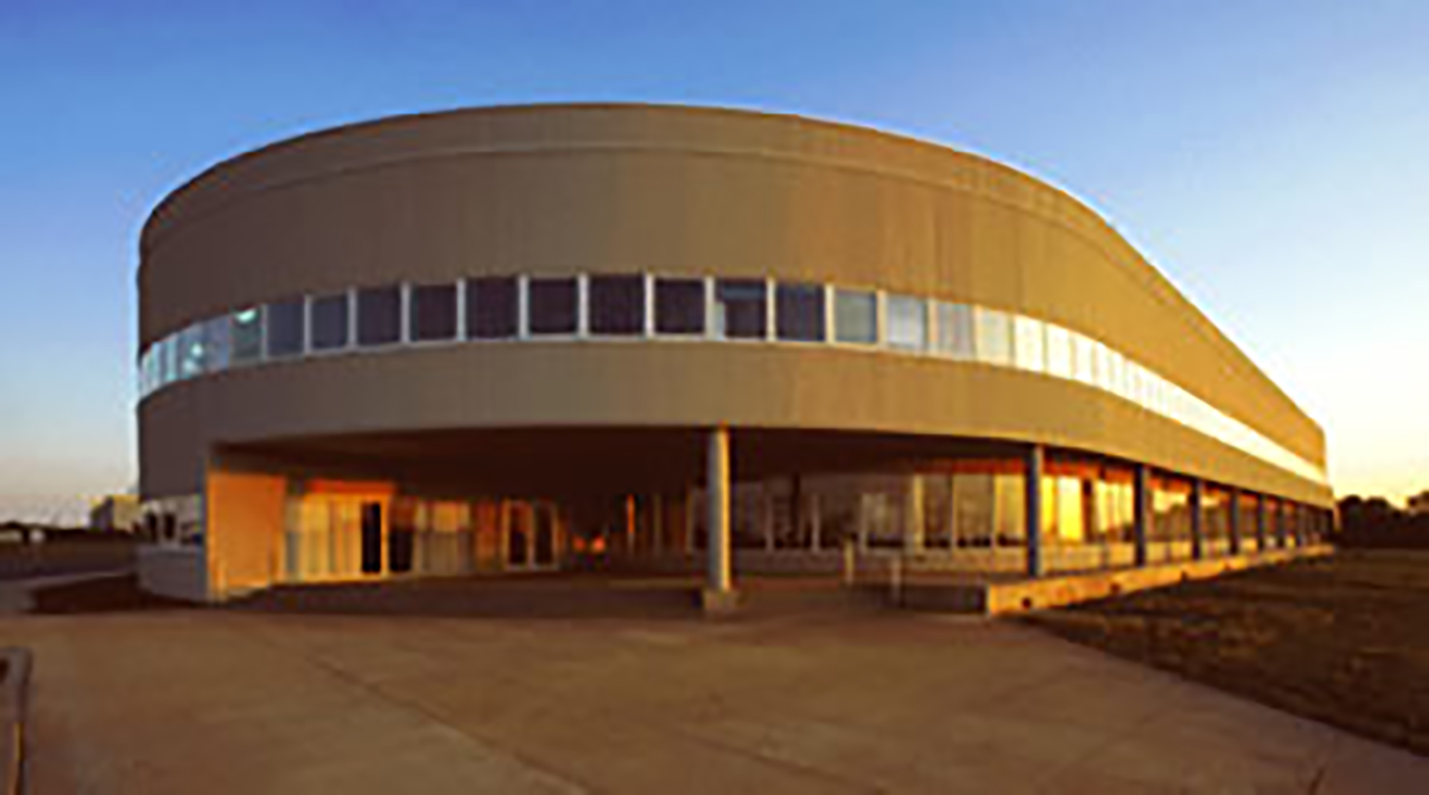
[(620, 189), (244, 530)]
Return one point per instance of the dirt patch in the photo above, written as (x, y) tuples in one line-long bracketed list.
[(120, 593), (1343, 639)]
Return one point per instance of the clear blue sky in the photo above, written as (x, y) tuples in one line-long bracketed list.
[(1270, 157)]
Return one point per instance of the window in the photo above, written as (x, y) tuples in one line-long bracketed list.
[(1059, 350), (617, 305), (491, 308), (937, 511), (217, 342), (907, 322), (679, 306), (247, 335), (1088, 358), (1029, 334), (974, 508), (168, 360), (552, 304), (146, 364), (379, 316), (1010, 497), (742, 308), (433, 313), (800, 312), (191, 359), (856, 317), (285, 329), (329, 322), (955, 330), (994, 336), (1105, 360)]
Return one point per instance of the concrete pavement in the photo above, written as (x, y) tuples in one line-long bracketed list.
[(221, 701)]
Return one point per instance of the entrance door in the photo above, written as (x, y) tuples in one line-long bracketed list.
[(371, 538), (532, 536)]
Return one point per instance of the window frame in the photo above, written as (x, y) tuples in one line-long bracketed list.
[(471, 292), (704, 306), (842, 295), (719, 324), (797, 291), (349, 314), (400, 321), (640, 329), (577, 315), (413, 316)]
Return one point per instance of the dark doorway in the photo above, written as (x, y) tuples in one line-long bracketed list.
[(372, 538), (517, 536), (545, 540)]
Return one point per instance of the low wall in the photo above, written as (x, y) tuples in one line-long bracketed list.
[(175, 572), (1010, 596)]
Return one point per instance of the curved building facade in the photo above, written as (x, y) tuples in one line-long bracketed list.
[(660, 337)]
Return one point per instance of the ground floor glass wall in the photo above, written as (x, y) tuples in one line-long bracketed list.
[(964, 514), (351, 536)]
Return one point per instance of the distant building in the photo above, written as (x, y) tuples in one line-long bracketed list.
[(115, 513), (1419, 503)]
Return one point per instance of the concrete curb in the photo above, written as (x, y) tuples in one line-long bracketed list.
[(14, 693)]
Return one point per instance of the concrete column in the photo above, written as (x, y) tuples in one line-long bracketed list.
[(913, 515), (1033, 488), (1260, 534), (1198, 519), (718, 585), (1141, 511), (1233, 519)]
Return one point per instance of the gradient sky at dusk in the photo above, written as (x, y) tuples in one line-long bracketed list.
[(1272, 158)]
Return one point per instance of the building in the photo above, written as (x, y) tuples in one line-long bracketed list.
[(1419, 504), (115, 513), (650, 337)]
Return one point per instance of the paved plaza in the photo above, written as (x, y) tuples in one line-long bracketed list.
[(219, 701)]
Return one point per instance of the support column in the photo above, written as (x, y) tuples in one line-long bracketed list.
[(913, 515), (1032, 481), (1233, 519), (1260, 534), (719, 595), (1280, 541), (1141, 511), (1198, 519)]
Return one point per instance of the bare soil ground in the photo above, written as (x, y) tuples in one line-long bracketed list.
[(1342, 639)]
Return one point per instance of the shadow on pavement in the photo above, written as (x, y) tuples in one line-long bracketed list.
[(117, 594)]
